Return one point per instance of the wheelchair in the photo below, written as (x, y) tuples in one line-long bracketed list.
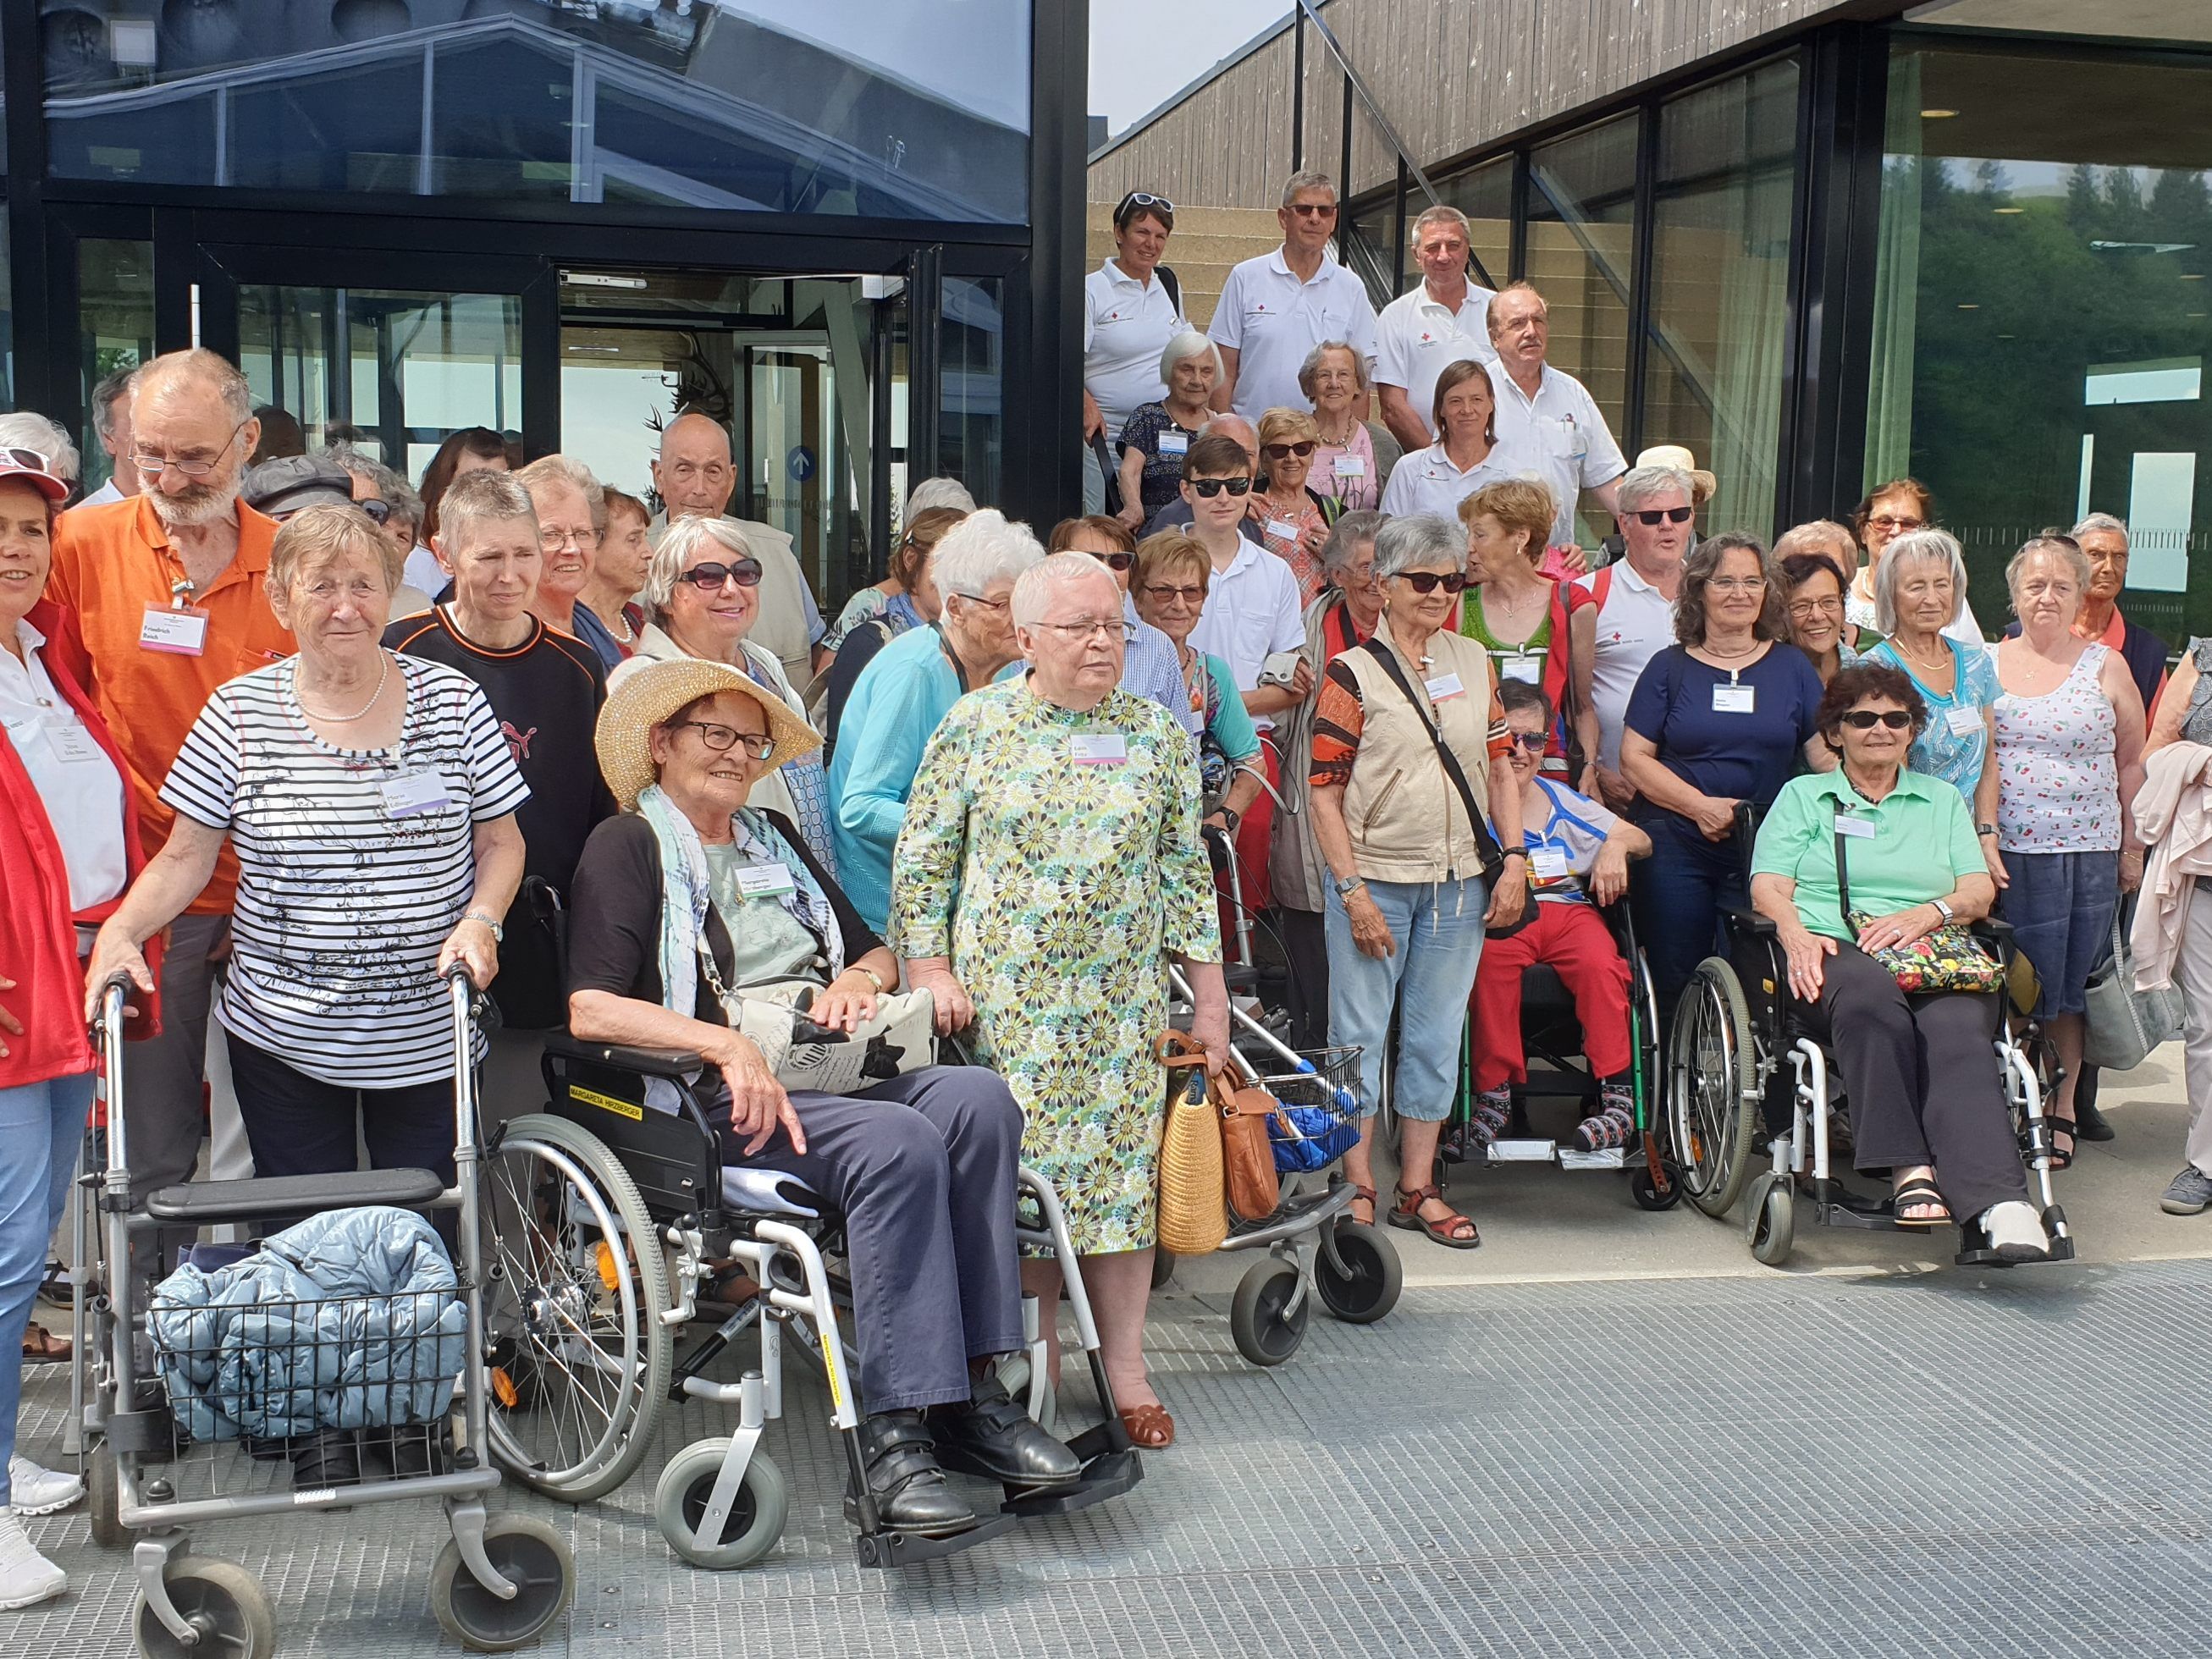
[(1551, 1034), (1739, 1065), (605, 1211)]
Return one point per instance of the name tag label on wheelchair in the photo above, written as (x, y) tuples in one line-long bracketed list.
[(764, 880), (1857, 829), (1734, 699), (1963, 722), (412, 792), (1097, 747), (1445, 688), (1529, 670)]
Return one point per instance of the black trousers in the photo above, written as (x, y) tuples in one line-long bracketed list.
[(1305, 944), (923, 1167), (1923, 1079)]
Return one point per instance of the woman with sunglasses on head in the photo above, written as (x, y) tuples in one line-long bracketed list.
[(1466, 455), (1716, 723), (1920, 1081), (1293, 519), (1890, 510), (1412, 802), (703, 595), (1131, 310)]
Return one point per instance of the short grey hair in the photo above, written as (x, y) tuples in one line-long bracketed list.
[(2103, 522), (25, 429), (937, 492), (381, 478), (113, 388), (1438, 214), (1033, 588), (680, 544), (565, 470), (2065, 549), (1307, 179), (1642, 483), (1188, 344), (1915, 547), (1413, 540), (1346, 535), (983, 548), (482, 497), (210, 370), (1311, 366)]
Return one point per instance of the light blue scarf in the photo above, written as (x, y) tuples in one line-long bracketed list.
[(686, 893)]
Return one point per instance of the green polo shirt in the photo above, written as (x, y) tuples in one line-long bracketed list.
[(1923, 842)]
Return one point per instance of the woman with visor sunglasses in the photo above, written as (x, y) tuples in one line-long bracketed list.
[(703, 596)]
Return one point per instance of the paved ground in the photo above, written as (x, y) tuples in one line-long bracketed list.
[(1605, 1432)]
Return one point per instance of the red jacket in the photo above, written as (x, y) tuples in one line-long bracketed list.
[(38, 933)]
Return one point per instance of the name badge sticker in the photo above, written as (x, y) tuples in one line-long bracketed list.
[(1734, 699), (1097, 747), (1445, 688), (181, 632), (72, 743), (1283, 528), (1857, 829), (1529, 670), (1549, 863), (1964, 721), (414, 792), (765, 881), (1352, 466), (1175, 443)]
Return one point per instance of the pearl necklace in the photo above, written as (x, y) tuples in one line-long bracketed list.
[(383, 673)]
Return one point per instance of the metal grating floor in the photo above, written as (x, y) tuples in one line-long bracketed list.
[(1781, 1466)]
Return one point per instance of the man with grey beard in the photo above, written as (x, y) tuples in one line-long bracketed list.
[(168, 589)]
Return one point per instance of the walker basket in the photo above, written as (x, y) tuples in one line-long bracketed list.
[(1321, 1107)]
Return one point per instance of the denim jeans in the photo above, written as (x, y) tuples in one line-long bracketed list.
[(1437, 928), (41, 1127)]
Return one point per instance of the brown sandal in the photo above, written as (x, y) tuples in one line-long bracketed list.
[(1149, 1427), (1362, 1196), (42, 1347), (1406, 1214)]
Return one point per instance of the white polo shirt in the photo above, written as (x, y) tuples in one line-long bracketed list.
[(1635, 623), (1427, 482), (1564, 436), (1251, 612), (1417, 336), (1272, 321), (1127, 324)]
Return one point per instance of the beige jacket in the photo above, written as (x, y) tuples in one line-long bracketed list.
[(781, 625), (2173, 816), (1407, 820)]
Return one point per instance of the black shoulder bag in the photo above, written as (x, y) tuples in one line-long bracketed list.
[(1486, 843)]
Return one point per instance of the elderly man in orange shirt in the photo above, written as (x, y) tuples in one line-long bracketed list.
[(168, 591)]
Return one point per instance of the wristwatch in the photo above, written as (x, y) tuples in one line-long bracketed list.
[(874, 978), (498, 933), (1347, 885), (1232, 818), (1981, 829), (1944, 910)]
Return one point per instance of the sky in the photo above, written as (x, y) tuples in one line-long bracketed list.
[(1144, 52)]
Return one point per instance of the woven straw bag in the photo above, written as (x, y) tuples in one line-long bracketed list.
[(1194, 1212)]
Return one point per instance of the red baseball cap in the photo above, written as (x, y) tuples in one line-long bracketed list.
[(29, 464)]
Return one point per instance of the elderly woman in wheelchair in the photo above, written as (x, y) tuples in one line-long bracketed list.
[(701, 925), (1867, 875)]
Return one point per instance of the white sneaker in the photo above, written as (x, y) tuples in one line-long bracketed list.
[(25, 1577), (2015, 1231), (34, 1491)]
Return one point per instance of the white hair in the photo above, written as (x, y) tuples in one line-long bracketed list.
[(1304, 179), (1935, 547), (25, 430), (2101, 521), (1416, 540), (683, 542), (937, 492), (1033, 589), (1641, 484), (1438, 214), (983, 548), (568, 470), (1188, 344)]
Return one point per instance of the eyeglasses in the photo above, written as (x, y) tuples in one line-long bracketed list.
[(1210, 487), (1314, 210), (1139, 199), (1801, 609), (1865, 720), (1190, 593), (1116, 561), (1076, 633), (1896, 526), (709, 578), (1737, 584), (1425, 582), (1302, 448), (1659, 515), (978, 600), (553, 540), (153, 466), (723, 738), (379, 511), (1532, 741)]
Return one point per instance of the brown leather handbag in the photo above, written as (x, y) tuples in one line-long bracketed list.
[(1248, 1159)]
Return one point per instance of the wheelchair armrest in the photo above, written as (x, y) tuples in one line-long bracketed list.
[(1757, 926), (676, 1063), (1997, 934)]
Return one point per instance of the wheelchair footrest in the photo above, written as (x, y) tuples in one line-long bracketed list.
[(1107, 1475), (222, 1200), (888, 1548)]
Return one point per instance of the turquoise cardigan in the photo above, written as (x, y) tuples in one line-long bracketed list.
[(896, 708)]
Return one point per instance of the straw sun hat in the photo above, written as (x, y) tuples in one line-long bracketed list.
[(642, 693), (1701, 482)]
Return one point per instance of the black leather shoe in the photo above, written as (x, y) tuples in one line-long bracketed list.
[(905, 1478), (2089, 1123), (993, 1436)]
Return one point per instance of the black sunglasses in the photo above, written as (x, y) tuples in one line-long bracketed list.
[(1532, 741), (707, 577), (1210, 487), (1425, 582), (1659, 515), (1864, 720), (1115, 560), (379, 512)]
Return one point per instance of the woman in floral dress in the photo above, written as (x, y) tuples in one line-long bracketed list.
[(1049, 860)]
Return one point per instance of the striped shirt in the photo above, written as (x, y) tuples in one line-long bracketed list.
[(356, 866)]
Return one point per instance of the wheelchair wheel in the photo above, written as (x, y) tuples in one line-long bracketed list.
[(529, 1553), (1772, 1229), (577, 1284), (1266, 1327), (223, 1603), (1645, 1192), (103, 1501), (756, 1514), (1712, 1092), (1369, 1285)]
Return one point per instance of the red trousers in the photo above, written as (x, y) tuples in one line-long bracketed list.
[(1253, 830), (1572, 940)]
